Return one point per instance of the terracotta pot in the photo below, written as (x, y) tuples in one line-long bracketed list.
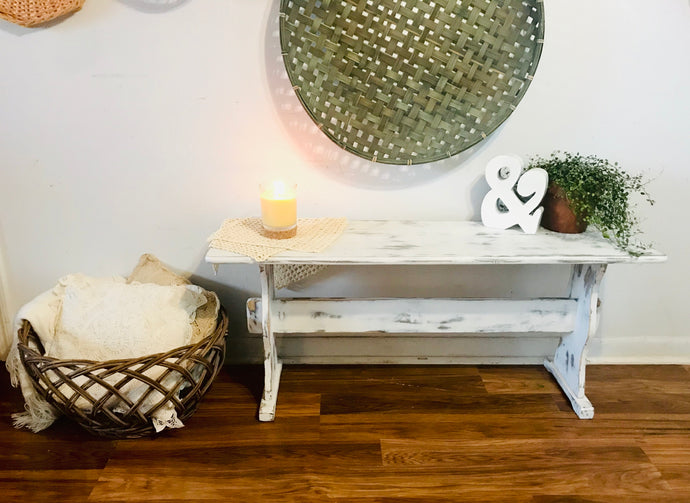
[(557, 213)]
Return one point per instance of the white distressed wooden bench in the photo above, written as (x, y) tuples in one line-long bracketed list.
[(442, 243)]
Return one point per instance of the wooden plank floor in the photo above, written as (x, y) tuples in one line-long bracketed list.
[(388, 434)]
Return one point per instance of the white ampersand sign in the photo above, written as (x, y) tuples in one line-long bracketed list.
[(514, 198)]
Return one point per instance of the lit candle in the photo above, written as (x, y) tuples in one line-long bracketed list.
[(279, 209)]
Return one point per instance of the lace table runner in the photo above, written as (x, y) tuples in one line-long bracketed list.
[(244, 236)]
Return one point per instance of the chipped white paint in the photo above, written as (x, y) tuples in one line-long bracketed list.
[(272, 365), (370, 242), (442, 243), (428, 316), (569, 361), (515, 196)]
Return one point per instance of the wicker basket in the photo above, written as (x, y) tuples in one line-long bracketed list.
[(187, 374), (34, 12)]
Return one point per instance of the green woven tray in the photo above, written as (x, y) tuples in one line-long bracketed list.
[(410, 81)]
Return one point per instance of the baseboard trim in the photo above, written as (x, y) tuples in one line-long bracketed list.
[(608, 349), (639, 360), (437, 350), (395, 349)]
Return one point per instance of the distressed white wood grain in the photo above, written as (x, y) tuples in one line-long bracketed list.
[(415, 315), (367, 242), (272, 365), (442, 243), (569, 361)]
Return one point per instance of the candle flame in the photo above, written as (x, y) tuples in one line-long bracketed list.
[(279, 188)]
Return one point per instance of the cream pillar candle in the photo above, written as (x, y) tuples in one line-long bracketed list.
[(279, 208)]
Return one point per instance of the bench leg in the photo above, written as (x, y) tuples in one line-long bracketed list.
[(272, 365), (569, 361)]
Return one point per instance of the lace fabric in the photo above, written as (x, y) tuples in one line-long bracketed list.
[(244, 236)]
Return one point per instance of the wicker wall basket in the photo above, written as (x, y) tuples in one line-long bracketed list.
[(35, 12), (187, 374), (414, 81)]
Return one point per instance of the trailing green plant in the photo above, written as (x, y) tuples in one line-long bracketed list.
[(599, 192)]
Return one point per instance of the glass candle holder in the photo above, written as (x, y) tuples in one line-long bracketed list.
[(279, 209)]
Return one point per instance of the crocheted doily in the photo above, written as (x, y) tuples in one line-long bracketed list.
[(245, 237)]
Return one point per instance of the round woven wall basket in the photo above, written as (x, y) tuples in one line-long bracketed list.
[(188, 372), (410, 81)]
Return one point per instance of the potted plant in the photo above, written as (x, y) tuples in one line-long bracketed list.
[(585, 189)]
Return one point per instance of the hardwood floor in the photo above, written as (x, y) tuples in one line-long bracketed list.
[(388, 434)]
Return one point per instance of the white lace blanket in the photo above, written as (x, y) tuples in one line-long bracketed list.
[(104, 319)]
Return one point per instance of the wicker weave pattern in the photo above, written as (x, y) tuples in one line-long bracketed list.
[(410, 81), (35, 12), (194, 365)]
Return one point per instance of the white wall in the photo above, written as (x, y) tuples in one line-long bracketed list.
[(5, 322), (139, 125)]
